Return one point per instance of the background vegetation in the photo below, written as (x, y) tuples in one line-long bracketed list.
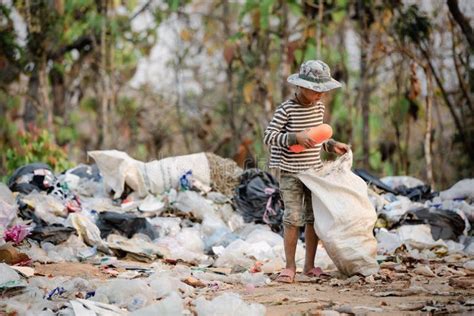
[(159, 78)]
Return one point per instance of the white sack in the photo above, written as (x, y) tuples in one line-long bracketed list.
[(344, 216), (461, 190), (154, 177)]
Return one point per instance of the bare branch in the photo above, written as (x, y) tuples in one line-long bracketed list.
[(462, 21)]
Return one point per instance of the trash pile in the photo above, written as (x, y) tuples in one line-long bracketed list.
[(165, 232), (425, 224), (179, 235)]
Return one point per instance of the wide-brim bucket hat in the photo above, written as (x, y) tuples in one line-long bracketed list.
[(314, 75)]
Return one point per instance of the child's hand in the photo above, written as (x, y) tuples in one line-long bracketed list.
[(305, 140), (337, 147)]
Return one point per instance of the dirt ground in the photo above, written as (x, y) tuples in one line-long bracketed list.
[(406, 288)]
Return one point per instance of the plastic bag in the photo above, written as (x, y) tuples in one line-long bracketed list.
[(166, 226), (7, 213), (137, 248), (445, 224), (418, 237), (89, 232), (7, 274), (124, 224), (54, 233), (388, 242), (16, 233), (133, 294), (171, 305), (193, 202), (461, 190), (397, 181), (228, 304), (258, 198), (344, 216), (34, 176)]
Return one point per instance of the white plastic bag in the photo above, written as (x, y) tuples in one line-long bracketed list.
[(344, 216), (228, 304), (461, 190)]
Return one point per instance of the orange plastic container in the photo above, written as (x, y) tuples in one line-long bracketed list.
[(319, 134)]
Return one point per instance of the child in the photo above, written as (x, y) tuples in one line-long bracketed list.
[(288, 127)]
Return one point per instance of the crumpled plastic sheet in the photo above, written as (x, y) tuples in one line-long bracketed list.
[(16, 233)]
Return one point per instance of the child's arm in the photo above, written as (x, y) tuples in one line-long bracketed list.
[(332, 146), (274, 134), (328, 145)]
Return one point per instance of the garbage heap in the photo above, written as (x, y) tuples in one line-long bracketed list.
[(165, 235), (423, 223)]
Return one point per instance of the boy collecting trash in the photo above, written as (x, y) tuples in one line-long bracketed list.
[(288, 127)]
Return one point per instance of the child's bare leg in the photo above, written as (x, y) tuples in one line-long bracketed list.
[(311, 240), (290, 241)]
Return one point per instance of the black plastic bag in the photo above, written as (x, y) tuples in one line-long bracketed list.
[(124, 224), (257, 198), (34, 176), (445, 224), (54, 233), (373, 180), (418, 193), (90, 172), (44, 232)]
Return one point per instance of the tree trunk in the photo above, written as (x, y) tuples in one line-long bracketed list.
[(428, 121), (365, 108), (58, 90), (104, 80), (230, 81), (364, 89), (43, 89), (285, 66), (462, 21), (319, 29)]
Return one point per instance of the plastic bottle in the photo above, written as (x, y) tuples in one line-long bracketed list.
[(319, 134)]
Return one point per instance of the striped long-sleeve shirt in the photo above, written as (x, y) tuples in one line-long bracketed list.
[(289, 119)]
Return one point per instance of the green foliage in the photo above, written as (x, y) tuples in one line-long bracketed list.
[(37, 146), (399, 110)]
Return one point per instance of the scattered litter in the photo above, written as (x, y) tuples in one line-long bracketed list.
[(170, 236), (227, 304), (424, 270), (11, 255)]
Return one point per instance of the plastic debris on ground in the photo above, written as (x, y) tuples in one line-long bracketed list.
[(228, 304), (180, 241)]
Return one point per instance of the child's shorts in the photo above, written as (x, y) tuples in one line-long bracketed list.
[(297, 199)]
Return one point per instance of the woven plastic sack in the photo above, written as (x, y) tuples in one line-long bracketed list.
[(344, 216), (155, 177)]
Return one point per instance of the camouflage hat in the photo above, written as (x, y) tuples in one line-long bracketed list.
[(314, 75)]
